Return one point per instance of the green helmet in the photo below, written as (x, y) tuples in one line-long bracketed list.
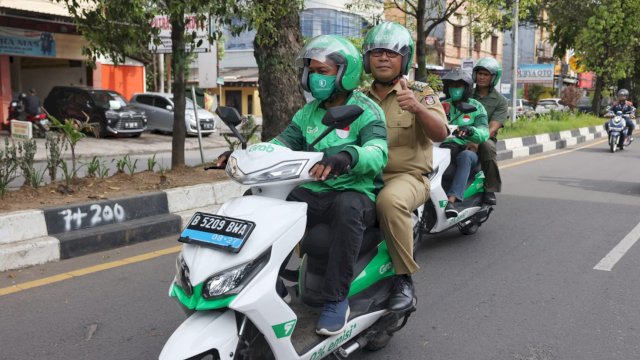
[(391, 36), (337, 49), (491, 65)]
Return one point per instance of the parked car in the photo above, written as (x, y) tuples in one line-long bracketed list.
[(106, 111), (523, 108), (159, 109), (545, 106), (584, 106)]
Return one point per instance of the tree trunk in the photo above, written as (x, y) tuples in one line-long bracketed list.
[(597, 96), (178, 65), (421, 42), (280, 92)]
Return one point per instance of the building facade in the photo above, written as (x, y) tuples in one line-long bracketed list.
[(40, 48)]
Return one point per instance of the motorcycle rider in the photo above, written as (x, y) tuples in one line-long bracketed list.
[(627, 108), (472, 128), (32, 103), (349, 176), (415, 118), (486, 74)]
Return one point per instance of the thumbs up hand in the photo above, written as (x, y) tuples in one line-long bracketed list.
[(406, 99)]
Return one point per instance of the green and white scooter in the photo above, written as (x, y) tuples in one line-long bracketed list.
[(230, 263), (430, 218)]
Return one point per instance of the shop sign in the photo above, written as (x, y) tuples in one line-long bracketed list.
[(535, 73), (27, 43), (21, 130), (163, 23)]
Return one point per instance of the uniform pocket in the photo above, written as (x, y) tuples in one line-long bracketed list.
[(401, 130)]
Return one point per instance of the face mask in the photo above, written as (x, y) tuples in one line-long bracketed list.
[(322, 86), (456, 94)]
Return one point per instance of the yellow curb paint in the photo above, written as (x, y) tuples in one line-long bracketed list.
[(9, 290), (88, 270)]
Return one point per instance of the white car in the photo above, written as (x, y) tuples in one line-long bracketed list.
[(545, 106), (159, 110)]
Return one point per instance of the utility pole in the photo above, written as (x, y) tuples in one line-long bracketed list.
[(514, 73)]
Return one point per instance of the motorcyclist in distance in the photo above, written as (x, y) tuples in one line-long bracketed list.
[(32, 103), (628, 111)]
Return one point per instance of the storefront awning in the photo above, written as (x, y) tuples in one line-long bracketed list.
[(239, 76), (37, 6)]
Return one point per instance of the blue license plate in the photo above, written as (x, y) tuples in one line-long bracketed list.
[(217, 231)]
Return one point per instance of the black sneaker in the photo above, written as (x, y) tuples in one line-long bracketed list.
[(450, 210), (403, 292), (489, 198)]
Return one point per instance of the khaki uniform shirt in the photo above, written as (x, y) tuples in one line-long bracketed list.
[(410, 150)]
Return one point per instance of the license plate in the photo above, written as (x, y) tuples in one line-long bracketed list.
[(207, 126), (217, 231), (130, 125)]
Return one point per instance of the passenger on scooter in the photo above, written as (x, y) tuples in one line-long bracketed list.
[(415, 118), (472, 128), (486, 75), (349, 176), (627, 109), (32, 103)]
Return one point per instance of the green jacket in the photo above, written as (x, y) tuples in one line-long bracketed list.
[(477, 120), (365, 140), (495, 104)]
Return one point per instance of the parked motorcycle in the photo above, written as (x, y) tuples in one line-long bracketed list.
[(430, 218), (616, 131), (230, 264), (40, 122)]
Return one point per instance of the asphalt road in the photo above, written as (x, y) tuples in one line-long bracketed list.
[(527, 286)]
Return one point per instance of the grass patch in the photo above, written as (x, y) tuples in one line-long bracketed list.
[(553, 122)]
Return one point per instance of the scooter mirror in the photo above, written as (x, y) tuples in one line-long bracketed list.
[(229, 116), (340, 117), (232, 118), (466, 108)]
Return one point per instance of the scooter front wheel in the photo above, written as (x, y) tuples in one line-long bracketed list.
[(253, 345)]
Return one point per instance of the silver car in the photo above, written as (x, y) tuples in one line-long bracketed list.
[(159, 110)]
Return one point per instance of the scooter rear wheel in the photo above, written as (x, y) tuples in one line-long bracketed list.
[(469, 229)]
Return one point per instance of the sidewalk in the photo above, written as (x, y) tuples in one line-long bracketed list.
[(41, 235)]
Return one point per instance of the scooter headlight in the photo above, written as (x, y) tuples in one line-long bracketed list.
[(232, 281), (282, 171)]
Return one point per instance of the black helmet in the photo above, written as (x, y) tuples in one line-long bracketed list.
[(458, 75)]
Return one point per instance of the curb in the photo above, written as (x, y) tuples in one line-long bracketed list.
[(38, 236), (530, 145)]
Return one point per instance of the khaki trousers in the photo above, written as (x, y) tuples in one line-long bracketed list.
[(401, 194)]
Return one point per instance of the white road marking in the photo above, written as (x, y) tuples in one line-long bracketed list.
[(608, 262)]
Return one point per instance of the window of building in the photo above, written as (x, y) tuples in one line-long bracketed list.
[(494, 44), (457, 36), (242, 41), (249, 104), (314, 22), (477, 44)]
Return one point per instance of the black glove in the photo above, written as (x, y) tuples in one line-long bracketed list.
[(465, 131), (340, 163), (222, 159)]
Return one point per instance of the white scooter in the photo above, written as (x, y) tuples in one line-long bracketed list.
[(430, 218), (229, 266)]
